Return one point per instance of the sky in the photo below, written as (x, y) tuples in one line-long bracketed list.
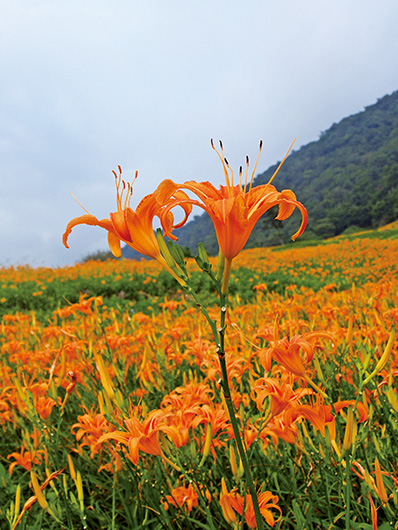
[(87, 85)]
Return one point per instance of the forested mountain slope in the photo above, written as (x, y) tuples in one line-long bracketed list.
[(348, 178)]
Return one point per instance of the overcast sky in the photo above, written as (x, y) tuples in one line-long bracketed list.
[(90, 84)]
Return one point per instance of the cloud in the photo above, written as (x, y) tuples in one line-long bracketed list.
[(88, 86)]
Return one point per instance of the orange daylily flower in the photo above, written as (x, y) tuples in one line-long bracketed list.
[(184, 496), (84, 305), (235, 209), (287, 353), (233, 501), (44, 406), (280, 427), (135, 228), (293, 354), (280, 394), (180, 496), (25, 459), (144, 436), (320, 415), (90, 428)]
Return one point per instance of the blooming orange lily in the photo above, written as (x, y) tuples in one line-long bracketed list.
[(143, 436), (235, 209), (321, 415), (288, 353), (184, 496), (233, 501), (279, 392), (135, 228), (90, 428), (25, 459)]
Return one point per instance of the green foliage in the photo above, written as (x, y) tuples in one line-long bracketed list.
[(129, 290), (314, 481)]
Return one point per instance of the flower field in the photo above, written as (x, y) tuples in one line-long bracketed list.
[(112, 414)]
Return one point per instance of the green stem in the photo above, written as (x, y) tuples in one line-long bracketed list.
[(211, 322), (239, 444), (227, 273), (326, 485), (232, 413), (219, 335), (348, 495), (114, 498)]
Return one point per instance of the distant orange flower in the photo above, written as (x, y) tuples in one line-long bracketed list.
[(83, 306), (293, 353), (90, 428), (44, 406), (233, 501), (135, 228), (280, 394), (184, 496), (321, 415), (25, 459), (287, 353), (235, 209), (143, 436)]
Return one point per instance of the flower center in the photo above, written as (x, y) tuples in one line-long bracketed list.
[(230, 180)]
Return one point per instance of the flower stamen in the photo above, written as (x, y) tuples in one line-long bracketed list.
[(118, 180), (221, 157), (232, 173), (281, 164), (255, 166), (246, 173), (78, 202), (119, 193)]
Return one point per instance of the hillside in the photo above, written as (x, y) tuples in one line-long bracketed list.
[(348, 178)]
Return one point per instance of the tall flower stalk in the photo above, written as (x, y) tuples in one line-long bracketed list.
[(219, 338), (234, 210)]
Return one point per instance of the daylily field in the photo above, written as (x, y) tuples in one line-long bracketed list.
[(111, 410)]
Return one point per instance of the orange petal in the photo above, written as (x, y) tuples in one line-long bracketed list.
[(287, 207), (86, 219), (120, 226), (114, 245)]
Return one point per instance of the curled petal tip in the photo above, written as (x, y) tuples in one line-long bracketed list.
[(65, 235), (65, 240)]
